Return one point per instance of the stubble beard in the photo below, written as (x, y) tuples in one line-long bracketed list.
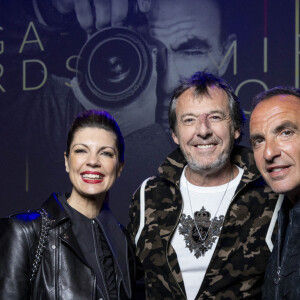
[(197, 166), (220, 162)]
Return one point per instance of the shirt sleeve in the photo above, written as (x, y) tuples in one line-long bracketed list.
[(14, 260)]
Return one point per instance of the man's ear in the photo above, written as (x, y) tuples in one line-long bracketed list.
[(227, 53), (175, 138), (66, 163), (144, 5), (237, 134)]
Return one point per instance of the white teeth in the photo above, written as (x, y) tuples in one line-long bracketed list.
[(91, 176), (205, 146), (277, 170)]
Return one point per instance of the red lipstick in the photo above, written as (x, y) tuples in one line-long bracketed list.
[(92, 177)]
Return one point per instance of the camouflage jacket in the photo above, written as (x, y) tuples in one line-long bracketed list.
[(237, 267)]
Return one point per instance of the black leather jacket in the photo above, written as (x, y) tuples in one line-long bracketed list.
[(63, 272)]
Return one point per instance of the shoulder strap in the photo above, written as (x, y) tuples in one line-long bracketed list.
[(142, 210), (41, 245)]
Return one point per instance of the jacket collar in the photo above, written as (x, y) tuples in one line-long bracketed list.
[(55, 209), (113, 233), (173, 165), (289, 212)]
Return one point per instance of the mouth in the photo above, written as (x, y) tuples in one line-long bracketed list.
[(277, 172), (92, 177), (206, 146)]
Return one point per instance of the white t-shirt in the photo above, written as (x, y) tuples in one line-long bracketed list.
[(208, 203)]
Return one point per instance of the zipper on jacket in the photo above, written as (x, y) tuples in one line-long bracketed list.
[(281, 262), (276, 281), (277, 278), (98, 263)]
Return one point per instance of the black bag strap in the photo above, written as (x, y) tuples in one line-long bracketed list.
[(41, 245)]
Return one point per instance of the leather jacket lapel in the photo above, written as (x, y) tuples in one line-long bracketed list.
[(57, 214)]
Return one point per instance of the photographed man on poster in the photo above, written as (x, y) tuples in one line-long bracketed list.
[(182, 37)]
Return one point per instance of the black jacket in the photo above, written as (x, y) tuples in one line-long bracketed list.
[(63, 272), (282, 278)]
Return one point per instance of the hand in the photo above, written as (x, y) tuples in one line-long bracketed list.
[(96, 14)]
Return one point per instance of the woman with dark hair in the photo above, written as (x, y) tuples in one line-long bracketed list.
[(72, 248)]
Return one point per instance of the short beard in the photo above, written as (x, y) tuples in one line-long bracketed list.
[(217, 164), (220, 162)]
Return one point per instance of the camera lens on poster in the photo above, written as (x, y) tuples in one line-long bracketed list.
[(114, 66)]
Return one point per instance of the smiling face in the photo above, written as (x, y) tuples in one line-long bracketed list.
[(205, 131), (275, 139), (93, 162), (191, 33)]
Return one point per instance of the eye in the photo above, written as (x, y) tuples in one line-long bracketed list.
[(257, 142), (215, 118), (188, 120), (107, 153), (80, 150), (287, 132), (194, 52)]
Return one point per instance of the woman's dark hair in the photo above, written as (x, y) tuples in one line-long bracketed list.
[(97, 119)]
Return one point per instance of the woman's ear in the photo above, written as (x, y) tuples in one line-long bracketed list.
[(119, 171), (66, 162)]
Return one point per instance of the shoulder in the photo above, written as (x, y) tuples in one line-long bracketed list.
[(22, 222), (152, 184), (244, 158), (19, 230)]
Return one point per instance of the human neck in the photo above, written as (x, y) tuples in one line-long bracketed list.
[(210, 178), (89, 207)]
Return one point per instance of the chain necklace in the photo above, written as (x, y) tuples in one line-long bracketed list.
[(202, 244)]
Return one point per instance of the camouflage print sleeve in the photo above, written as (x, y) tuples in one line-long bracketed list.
[(134, 216)]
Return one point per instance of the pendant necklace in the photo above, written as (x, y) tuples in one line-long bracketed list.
[(201, 232)]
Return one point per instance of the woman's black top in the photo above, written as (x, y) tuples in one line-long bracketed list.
[(95, 249)]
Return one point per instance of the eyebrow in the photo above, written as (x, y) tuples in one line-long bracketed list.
[(86, 146), (193, 43), (209, 113), (282, 126), (254, 137)]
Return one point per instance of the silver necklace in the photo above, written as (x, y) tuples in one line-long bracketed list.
[(202, 244)]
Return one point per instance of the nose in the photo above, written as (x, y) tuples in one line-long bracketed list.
[(203, 126), (271, 150), (93, 160)]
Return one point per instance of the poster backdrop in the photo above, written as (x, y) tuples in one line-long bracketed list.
[(60, 57)]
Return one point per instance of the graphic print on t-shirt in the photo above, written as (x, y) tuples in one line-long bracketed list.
[(201, 232)]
